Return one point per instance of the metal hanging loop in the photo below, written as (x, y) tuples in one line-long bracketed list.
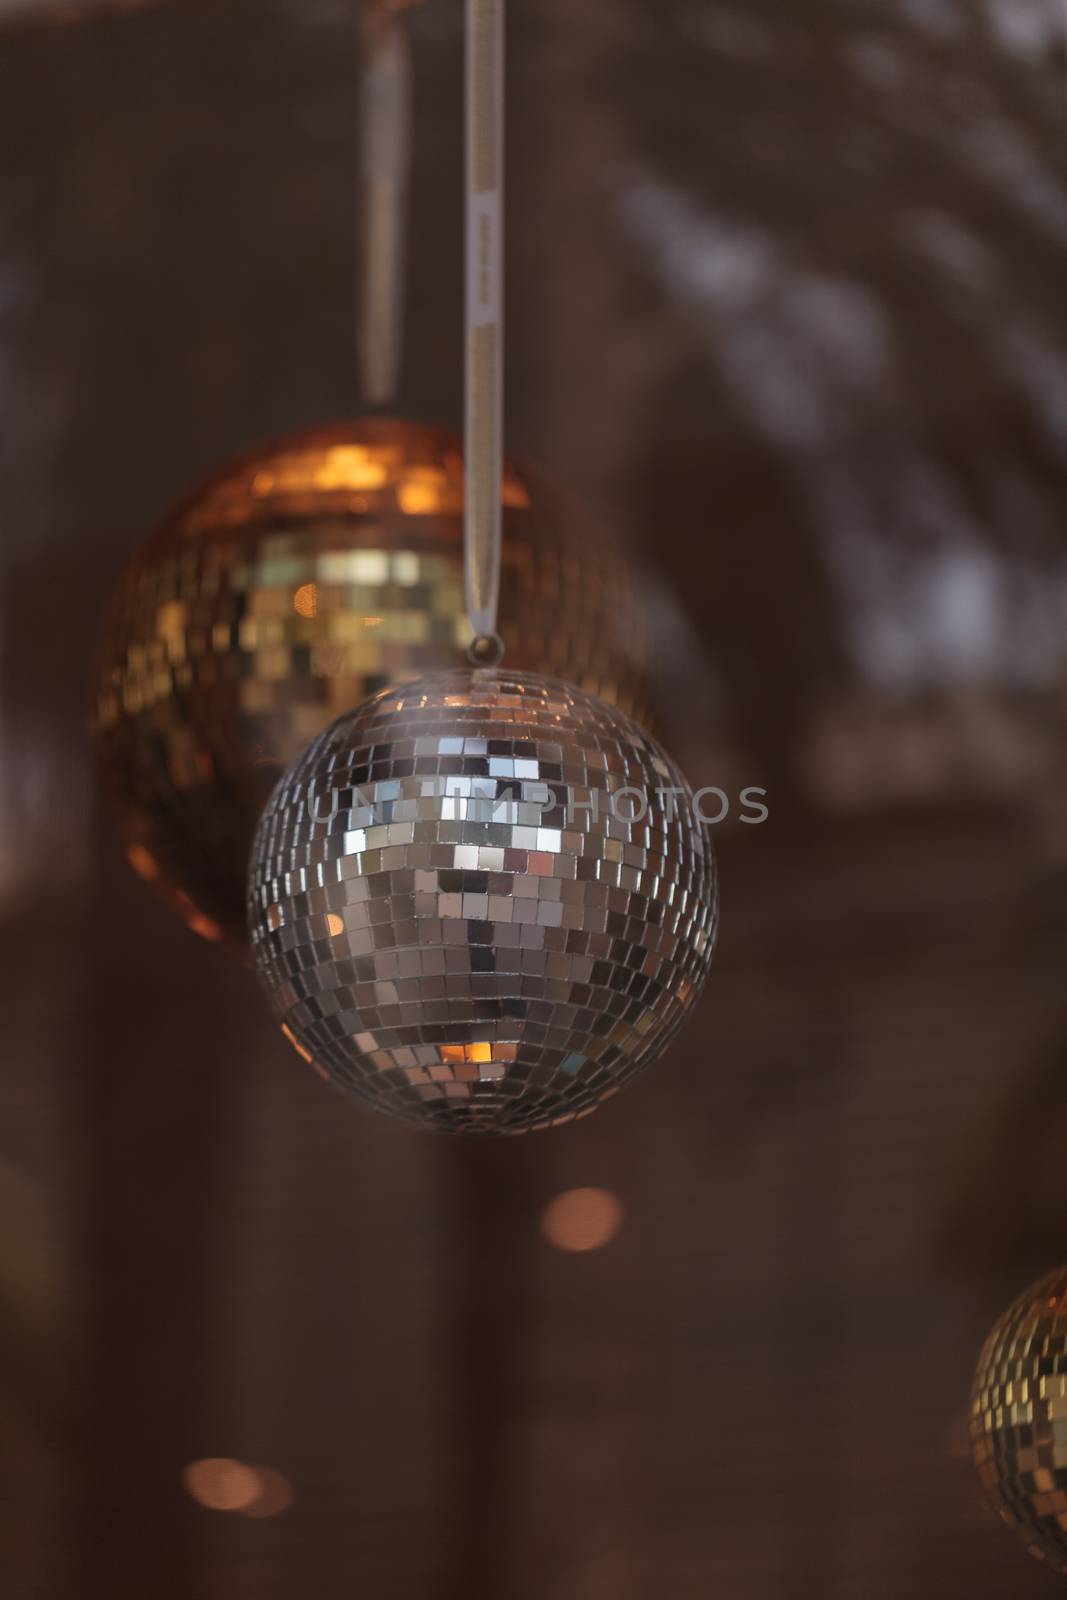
[(486, 650)]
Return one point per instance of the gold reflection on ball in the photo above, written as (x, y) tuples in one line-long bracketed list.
[(1019, 1419), (292, 586)]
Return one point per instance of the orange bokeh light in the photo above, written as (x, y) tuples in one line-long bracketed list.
[(582, 1219), (143, 862), (221, 1484)]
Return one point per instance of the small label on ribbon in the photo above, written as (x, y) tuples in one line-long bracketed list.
[(483, 243)]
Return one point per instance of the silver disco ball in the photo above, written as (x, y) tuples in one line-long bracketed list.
[(483, 901)]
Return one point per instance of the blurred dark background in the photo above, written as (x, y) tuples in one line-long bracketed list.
[(785, 293)]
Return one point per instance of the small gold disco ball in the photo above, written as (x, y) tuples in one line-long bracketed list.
[(1019, 1419), (483, 901), (292, 586)]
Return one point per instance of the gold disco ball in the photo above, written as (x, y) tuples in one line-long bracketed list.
[(296, 583), (1019, 1419)]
